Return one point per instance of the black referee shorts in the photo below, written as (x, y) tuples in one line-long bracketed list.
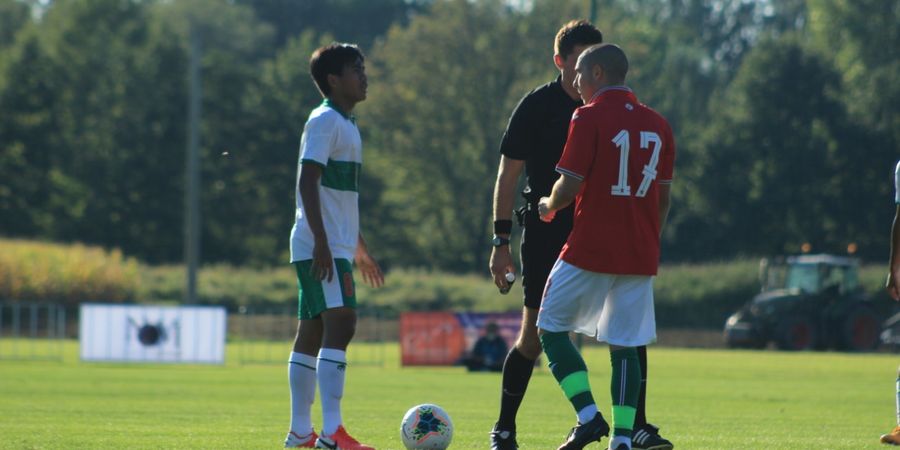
[(541, 244)]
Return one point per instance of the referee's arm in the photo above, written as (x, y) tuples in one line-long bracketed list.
[(504, 198), (505, 188)]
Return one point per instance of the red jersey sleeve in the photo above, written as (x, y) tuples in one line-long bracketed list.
[(667, 161), (578, 154)]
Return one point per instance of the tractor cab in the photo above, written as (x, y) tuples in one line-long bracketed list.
[(810, 274), (806, 302)]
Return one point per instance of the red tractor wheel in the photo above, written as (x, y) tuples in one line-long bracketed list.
[(860, 330), (797, 334)]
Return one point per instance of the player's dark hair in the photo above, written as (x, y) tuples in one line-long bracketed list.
[(331, 60), (576, 33), (610, 57)]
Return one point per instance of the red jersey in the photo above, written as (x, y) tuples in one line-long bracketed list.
[(622, 150)]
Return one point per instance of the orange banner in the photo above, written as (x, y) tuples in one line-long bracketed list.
[(431, 339)]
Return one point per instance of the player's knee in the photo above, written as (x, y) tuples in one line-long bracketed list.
[(529, 346), (308, 339), (339, 327), (308, 345), (344, 332), (338, 340)]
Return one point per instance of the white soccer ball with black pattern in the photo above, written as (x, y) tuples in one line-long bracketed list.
[(426, 426)]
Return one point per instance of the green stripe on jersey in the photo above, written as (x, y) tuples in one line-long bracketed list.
[(341, 175), (313, 162)]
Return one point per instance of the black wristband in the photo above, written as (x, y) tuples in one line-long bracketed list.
[(502, 226)]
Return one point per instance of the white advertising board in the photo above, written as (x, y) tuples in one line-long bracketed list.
[(139, 333)]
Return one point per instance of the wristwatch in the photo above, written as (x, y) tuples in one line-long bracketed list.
[(499, 241)]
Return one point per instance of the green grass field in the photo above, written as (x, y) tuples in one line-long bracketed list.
[(703, 399)]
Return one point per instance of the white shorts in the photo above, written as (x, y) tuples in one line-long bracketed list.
[(617, 309)]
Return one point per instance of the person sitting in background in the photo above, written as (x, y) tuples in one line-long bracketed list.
[(489, 351)]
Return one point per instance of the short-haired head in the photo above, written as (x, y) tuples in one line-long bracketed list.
[(331, 60), (610, 57), (575, 33)]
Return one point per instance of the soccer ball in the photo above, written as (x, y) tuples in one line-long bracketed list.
[(426, 427)]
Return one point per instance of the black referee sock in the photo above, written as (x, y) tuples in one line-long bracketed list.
[(517, 371), (640, 417)]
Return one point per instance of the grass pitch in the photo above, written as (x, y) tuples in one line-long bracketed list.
[(702, 399)]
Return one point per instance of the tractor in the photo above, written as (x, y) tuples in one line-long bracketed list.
[(807, 302)]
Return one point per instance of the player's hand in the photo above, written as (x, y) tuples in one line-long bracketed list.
[(892, 286), (544, 210), (322, 263), (368, 267), (501, 264)]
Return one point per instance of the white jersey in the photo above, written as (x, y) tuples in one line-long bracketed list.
[(897, 183), (330, 140)]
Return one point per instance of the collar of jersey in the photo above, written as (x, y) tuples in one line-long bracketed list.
[(620, 87), (327, 102)]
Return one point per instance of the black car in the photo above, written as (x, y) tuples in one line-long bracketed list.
[(807, 302)]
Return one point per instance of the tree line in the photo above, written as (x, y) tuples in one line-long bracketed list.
[(785, 115)]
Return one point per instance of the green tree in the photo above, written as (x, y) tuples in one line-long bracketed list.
[(35, 194), (440, 97), (14, 15), (357, 21), (234, 46), (107, 83), (864, 39), (773, 168), (102, 125)]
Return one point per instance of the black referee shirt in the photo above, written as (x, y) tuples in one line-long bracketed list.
[(536, 133)]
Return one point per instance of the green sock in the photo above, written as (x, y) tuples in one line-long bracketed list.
[(568, 368), (625, 389)]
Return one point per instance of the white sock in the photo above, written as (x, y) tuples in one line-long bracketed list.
[(302, 378), (898, 400), (587, 413), (330, 372), (618, 440)]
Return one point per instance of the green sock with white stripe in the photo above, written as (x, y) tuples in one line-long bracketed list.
[(625, 389), (570, 372)]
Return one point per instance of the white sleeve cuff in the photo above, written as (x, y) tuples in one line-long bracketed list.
[(569, 173)]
